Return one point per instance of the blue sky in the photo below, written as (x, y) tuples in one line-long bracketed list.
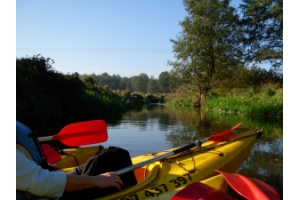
[(118, 37)]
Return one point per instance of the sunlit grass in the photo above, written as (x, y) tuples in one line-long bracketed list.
[(265, 101), (268, 101)]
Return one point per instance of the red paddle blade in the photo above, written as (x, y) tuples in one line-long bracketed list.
[(219, 136), (50, 154), (250, 188), (200, 191), (83, 133)]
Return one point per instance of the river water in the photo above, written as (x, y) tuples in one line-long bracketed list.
[(156, 127)]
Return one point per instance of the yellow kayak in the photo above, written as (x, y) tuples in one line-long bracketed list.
[(165, 177)]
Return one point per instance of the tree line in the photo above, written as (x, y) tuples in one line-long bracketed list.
[(166, 83), (139, 83)]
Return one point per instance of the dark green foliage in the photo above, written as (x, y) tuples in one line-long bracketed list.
[(152, 85), (139, 83), (164, 80), (251, 77), (262, 22), (270, 92), (150, 98), (45, 96), (137, 99)]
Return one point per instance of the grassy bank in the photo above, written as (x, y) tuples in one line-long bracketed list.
[(264, 101)]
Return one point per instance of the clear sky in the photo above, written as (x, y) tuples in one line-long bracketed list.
[(114, 36)]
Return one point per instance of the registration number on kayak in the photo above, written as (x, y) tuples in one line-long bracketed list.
[(155, 191)]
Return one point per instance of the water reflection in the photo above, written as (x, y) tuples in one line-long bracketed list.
[(155, 128)]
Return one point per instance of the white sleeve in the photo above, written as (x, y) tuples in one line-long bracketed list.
[(38, 181)]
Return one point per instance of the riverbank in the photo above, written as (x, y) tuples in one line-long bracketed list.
[(45, 96), (265, 101)]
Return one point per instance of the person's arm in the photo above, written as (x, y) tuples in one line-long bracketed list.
[(32, 178), (105, 180)]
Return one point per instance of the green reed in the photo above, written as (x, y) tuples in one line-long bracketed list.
[(266, 101)]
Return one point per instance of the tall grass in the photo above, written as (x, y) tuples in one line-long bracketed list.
[(181, 98), (264, 101)]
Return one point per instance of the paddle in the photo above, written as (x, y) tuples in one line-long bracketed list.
[(215, 137), (80, 133), (250, 188), (51, 155), (200, 191)]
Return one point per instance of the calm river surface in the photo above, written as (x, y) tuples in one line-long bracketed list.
[(154, 128)]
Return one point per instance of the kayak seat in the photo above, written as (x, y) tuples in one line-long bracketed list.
[(141, 174)]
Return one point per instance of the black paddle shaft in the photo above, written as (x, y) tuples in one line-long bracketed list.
[(182, 149), (157, 158)]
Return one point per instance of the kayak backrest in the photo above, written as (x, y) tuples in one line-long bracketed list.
[(141, 174)]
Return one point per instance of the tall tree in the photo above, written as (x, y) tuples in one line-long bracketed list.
[(164, 81), (209, 46), (263, 26), (152, 85), (115, 82), (139, 83), (89, 81), (105, 79), (125, 84)]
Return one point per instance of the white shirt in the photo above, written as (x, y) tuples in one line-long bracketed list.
[(38, 181)]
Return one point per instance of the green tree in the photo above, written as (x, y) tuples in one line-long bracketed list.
[(164, 82), (125, 84), (104, 79), (89, 81), (134, 82), (152, 85), (209, 47), (115, 82), (139, 83), (263, 31)]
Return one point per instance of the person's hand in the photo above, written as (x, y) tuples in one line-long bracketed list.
[(105, 180), (109, 179)]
